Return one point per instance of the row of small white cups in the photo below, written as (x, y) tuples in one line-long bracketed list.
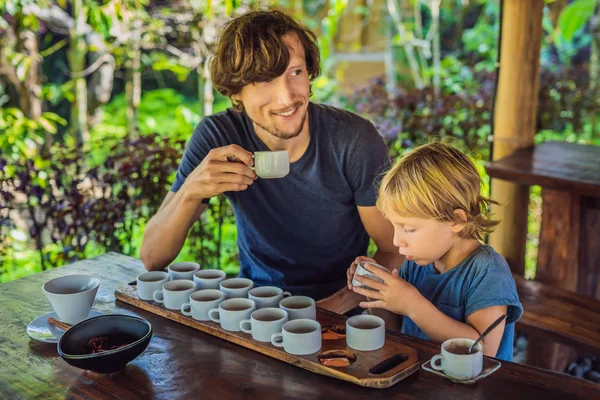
[(265, 318), (176, 293)]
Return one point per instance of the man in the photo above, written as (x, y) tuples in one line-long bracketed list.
[(300, 232)]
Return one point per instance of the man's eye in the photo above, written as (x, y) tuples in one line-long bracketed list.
[(297, 72)]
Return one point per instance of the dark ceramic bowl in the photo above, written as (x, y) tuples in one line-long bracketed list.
[(118, 329)]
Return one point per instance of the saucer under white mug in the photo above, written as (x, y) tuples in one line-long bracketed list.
[(489, 367), (41, 330)]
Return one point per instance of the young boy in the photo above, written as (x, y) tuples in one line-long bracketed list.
[(450, 285)]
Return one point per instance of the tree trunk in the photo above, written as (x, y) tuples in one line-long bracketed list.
[(437, 51), (76, 56), (133, 91), (200, 73), (409, 49), (208, 91), (595, 55)]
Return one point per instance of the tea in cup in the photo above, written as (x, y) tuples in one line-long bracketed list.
[(271, 164), (231, 312), (208, 278), (182, 270), (300, 337), (267, 296), (365, 332), (71, 296), (150, 282), (236, 287), (174, 293), (455, 360), (264, 323), (201, 302), (299, 307)]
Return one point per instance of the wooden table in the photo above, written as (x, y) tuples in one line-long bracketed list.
[(181, 362)]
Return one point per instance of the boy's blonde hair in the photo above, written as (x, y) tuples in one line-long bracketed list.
[(432, 181)]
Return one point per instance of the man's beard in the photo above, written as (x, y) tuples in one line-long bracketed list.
[(284, 135)]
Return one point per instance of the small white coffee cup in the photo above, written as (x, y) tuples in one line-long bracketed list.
[(201, 302), (264, 323), (236, 287), (150, 282), (71, 296), (231, 312), (300, 337), (365, 332), (183, 270), (267, 296), (361, 271), (174, 293), (208, 278), (299, 307), (457, 365), (271, 164)]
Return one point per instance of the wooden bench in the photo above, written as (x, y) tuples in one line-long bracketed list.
[(558, 315)]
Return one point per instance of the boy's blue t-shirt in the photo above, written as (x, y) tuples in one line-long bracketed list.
[(300, 232), (482, 280)]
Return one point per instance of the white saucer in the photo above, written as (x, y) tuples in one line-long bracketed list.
[(489, 367), (39, 329)]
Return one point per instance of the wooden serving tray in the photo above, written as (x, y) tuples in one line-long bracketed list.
[(380, 368)]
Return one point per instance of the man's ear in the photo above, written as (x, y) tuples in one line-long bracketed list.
[(461, 218)]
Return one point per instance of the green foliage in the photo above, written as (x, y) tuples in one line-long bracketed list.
[(22, 136), (134, 179), (574, 16)]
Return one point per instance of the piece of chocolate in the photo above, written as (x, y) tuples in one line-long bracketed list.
[(337, 362)]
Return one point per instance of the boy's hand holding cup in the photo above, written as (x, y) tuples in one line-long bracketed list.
[(352, 270), (385, 290)]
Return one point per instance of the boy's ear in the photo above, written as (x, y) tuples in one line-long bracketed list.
[(461, 220)]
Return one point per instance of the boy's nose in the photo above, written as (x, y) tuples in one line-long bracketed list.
[(399, 242)]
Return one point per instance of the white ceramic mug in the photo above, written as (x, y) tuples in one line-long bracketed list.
[(456, 365), (150, 282), (236, 287), (361, 271), (231, 312), (183, 270), (208, 278), (271, 164), (300, 337), (71, 296), (264, 323), (267, 296), (365, 332), (299, 307), (201, 302), (174, 293)]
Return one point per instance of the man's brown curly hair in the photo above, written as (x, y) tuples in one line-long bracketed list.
[(251, 49)]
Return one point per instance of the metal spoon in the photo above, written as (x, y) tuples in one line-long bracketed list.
[(488, 330)]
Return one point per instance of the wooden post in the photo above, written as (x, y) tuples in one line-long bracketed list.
[(514, 120)]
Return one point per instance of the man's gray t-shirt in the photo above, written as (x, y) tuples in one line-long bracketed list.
[(300, 232)]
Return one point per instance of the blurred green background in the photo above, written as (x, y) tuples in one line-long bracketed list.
[(97, 100)]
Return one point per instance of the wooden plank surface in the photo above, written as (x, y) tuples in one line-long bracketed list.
[(357, 373), (553, 165), (184, 363), (559, 315)]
